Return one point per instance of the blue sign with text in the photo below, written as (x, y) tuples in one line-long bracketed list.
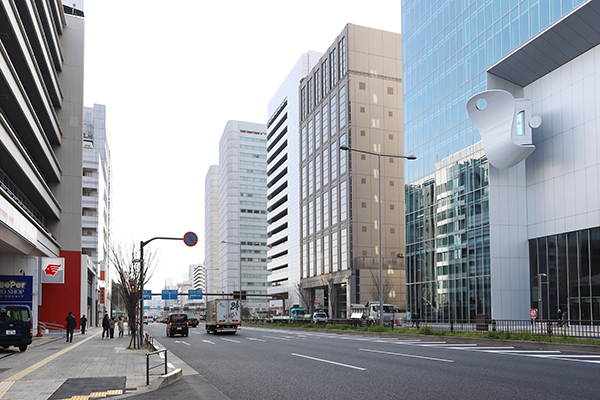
[(147, 294), (16, 290), (169, 294), (195, 294)]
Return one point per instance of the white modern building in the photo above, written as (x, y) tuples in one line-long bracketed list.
[(198, 274), (283, 182), (96, 203), (242, 212), (211, 229)]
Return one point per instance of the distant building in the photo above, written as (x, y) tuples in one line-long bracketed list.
[(283, 144), (353, 97), (242, 212), (211, 229), (198, 273), (96, 202)]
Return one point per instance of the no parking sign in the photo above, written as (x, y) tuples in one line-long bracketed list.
[(533, 313)]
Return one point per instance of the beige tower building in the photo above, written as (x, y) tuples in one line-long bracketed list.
[(352, 97)]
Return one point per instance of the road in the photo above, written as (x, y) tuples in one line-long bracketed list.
[(260, 363)]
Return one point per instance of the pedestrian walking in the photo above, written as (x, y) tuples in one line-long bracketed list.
[(559, 317), (82, 324), (564, 319), (111, 326), (71, 323), (121, 325), (105, 326)]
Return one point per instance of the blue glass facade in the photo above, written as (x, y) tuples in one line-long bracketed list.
[(447, 47)]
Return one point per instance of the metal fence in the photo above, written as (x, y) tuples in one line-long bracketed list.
[(570, 328)]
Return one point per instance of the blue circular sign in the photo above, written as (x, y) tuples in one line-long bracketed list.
[(190, 239)]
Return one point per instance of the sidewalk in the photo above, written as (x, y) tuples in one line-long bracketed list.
[(87, 368)]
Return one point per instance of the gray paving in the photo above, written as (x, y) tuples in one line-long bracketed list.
[(49, 363)]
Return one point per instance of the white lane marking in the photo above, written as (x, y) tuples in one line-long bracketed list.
[(170, 365), (255, 339), (577, 356), (484, 348), (526, 352), (207, 341), (455, 345), (231, 340), (179, 341), (407, 355), (329, 362), (275, 337)]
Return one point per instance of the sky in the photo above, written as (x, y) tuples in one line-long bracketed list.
[(171, 74)]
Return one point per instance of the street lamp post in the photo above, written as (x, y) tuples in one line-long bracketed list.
[(239, 244), (379, 155), (540, 305)]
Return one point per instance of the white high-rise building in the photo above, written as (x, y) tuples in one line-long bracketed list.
[(243, 212), (96, 198), (211, 229), (198, 274), (283, 149)]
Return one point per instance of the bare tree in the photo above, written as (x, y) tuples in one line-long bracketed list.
[(303, 294), (128, 271), (329, 282), (374, 289)]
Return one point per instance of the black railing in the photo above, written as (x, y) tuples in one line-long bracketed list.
[(148, 367), (570, 328)]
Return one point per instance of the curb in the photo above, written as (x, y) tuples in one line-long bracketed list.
[(171, 377)]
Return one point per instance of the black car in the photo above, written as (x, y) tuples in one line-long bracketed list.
[(177, 324), (15, 327), (193, 322)]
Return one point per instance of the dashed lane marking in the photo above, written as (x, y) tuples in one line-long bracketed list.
[(330, 362), (408, 355)]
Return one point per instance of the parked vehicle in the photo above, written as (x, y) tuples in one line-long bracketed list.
[(319, 317), (177, 324), (15, 327), (193, 321), (223, 315), (370, 313)]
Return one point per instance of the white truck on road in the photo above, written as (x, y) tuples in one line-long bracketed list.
[(223, 315)]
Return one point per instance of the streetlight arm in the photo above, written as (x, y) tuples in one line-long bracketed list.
[(408, 157)]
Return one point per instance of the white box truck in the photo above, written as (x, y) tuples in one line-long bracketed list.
[(223, 315)]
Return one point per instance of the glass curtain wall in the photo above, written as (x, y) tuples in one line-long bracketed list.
[(571, 262), (447, 45)]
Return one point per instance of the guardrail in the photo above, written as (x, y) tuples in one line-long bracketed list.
[(148, 341), (148, 367)]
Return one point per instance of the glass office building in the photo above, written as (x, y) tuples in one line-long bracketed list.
[(477, 236)]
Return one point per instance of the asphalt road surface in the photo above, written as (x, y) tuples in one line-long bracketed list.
[(259, 363)]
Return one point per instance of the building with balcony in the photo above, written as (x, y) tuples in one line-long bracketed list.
[(41, 155), (283, 183), (97, 171), (502, 215), (353, 97)]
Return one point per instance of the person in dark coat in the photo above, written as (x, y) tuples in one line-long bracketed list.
[(82, 324), (71, 323), (105, 327)]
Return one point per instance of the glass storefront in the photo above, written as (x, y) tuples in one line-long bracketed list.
[(569, 269)]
